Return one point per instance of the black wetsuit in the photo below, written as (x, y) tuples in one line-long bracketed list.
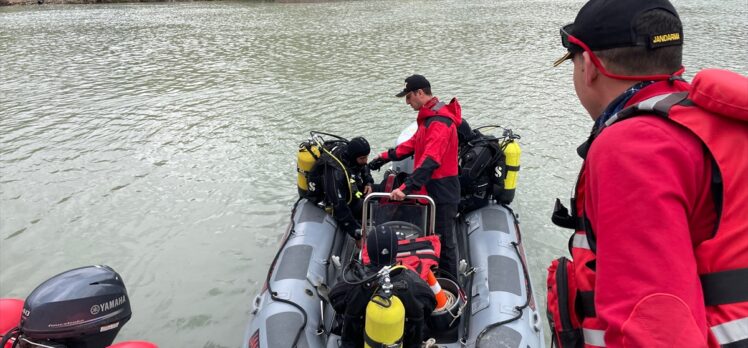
[(336, 188)]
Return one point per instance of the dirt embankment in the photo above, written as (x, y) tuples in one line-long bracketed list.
[(46, 2)]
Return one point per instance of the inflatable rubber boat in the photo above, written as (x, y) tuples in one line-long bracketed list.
[(492, 302)]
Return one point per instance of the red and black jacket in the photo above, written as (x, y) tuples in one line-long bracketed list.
[(702, 234), (434, 147)]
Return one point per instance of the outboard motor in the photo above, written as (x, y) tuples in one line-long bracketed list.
[(81, 308)]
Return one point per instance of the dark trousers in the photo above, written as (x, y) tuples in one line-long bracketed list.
[(445, 228)]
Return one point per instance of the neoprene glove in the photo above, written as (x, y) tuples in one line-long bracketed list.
[(377, 163)]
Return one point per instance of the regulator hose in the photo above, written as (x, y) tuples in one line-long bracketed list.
[(367, 279)]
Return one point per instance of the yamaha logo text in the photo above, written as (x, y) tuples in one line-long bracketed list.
[(108, 306)]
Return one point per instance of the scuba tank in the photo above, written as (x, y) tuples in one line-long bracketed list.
[(385, 322), (504, 165), (385, 316), (309, 153), (305, 160), (512, 153)]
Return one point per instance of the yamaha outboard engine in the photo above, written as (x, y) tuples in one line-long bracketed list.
[(81, 308)]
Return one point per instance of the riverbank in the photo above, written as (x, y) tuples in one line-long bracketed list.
[(60, 2)]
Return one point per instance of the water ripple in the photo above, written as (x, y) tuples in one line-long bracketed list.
[(161, 138)]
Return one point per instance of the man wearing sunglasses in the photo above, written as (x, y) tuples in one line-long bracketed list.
[(644, 210)]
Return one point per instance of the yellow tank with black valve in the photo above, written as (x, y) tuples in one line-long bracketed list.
[(385, 322), (308, 155), (512, 152)]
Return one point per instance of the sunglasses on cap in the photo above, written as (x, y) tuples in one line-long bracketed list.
[(574, 46), (565, 39), (568, 45)]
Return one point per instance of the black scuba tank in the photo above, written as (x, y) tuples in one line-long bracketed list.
[(80, 308)]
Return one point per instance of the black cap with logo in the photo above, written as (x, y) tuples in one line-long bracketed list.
[(606, 24), (414, 83)]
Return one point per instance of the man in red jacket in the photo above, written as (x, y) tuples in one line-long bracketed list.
[(434, 147), (645, 203)]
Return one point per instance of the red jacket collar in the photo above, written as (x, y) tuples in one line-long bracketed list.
[(451, 110), (429, 104), (425, 110)]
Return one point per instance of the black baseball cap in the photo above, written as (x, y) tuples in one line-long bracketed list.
[(606, 24), (414, 83)]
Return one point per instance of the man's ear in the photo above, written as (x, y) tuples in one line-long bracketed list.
[(589, 69)]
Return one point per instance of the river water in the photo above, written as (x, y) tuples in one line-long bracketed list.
[(160, 139)]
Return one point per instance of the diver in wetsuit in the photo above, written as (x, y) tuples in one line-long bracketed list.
[(346, 179)]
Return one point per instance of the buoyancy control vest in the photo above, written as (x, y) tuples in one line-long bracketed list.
[(485, 171), (481, 164), (716, 111), (311, 162)]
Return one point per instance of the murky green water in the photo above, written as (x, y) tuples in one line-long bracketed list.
[(160, 139)]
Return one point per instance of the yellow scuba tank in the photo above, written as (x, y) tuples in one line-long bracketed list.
[(385, 322), (308, 155), (512, 153)]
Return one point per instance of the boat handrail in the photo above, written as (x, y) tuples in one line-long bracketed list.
[(429, 202)]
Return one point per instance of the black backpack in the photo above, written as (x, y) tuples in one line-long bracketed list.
[(315, 178), (481, 167)]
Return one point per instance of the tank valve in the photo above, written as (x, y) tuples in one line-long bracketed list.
[(384, 280)]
